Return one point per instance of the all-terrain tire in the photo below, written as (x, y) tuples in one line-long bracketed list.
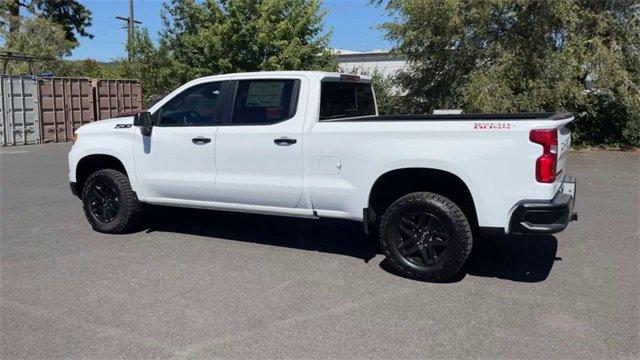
[(452, 220), (128, 212)]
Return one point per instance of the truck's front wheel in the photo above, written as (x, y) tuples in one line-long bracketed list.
[(425, 236), (108, 202)]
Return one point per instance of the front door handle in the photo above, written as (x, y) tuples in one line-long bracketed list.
[(285, 141), (200, 140)]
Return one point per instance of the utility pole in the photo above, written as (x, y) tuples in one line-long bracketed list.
[(131, 21)]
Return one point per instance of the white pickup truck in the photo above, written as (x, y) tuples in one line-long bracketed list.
[(311, 144)]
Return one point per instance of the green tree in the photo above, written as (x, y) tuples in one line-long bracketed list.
[(222, 36), (152, 65), (519, 55), (50, 41), (388, 97), (70, 14), (210, 37), (89, 68)]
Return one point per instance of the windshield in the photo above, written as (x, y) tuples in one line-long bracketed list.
[(340, 99)]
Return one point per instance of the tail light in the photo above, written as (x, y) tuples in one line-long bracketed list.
[(547, 162)]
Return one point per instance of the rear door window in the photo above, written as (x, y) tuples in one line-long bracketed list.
[(340, 99), (264, 102)]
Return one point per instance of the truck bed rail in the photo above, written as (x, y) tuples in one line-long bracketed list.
[(460, 117)]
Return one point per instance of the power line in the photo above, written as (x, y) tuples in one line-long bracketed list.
[(131, 22), (7, 56)]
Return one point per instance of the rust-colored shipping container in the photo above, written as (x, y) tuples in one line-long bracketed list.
[(68, 103), (65, 105), (117, 96)]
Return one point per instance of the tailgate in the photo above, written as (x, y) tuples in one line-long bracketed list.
[(555, 138), (564, 144)]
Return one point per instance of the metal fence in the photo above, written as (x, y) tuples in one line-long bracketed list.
[(40, 110)]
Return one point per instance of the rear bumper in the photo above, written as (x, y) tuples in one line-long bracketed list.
[(546, 217)]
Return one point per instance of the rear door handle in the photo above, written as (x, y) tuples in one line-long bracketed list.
[(284, 141), (200, 140)]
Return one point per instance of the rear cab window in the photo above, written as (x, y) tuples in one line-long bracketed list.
[(345, 99)]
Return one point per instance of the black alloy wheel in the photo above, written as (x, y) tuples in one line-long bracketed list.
[(421, 238), (104, 200), (425, 236), (109, 203)]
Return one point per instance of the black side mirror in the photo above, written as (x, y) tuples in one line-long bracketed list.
[(143, 120)]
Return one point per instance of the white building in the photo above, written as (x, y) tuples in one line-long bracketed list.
[(368, 62)]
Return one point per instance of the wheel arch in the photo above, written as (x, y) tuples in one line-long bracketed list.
[(89, 164), (398, 182)]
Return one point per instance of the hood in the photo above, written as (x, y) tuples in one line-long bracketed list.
[(107, 124), (130, 113)]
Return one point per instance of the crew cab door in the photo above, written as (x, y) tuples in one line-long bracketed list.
[(259, 148), (177, 161)]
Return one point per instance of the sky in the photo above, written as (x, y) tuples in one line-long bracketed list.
[(354, 24)]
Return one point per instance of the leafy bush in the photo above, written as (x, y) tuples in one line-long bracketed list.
[(520, 55)]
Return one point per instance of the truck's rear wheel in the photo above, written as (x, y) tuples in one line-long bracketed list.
[(425, 236), (109, 203)]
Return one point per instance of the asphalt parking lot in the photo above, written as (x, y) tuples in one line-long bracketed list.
[(197, 284)]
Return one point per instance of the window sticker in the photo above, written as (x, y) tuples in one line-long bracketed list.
[(264, 94)]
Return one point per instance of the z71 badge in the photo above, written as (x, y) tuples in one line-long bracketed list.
[(123, 126)]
